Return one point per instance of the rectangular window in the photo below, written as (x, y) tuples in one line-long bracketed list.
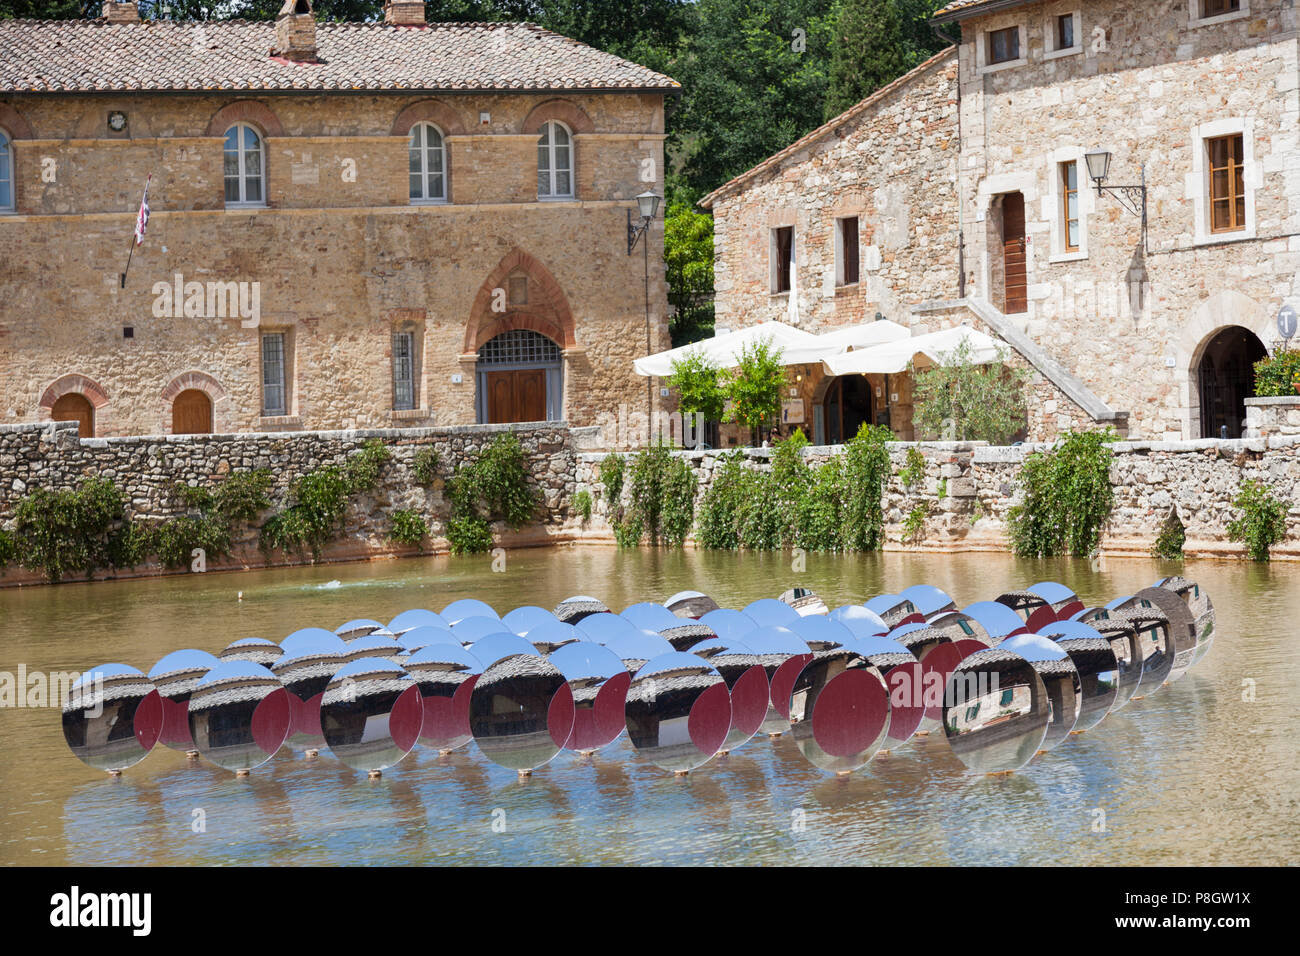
[(403, 370), (782, 256), (848, 249), (1065, 31), (1004, 45), (1070, 205), (1217, 8), (274, 393), (1227, 184), (6, 176)]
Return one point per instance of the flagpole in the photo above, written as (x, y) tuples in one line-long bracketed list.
[(136, 238)]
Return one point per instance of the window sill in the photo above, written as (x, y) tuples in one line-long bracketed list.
[(995, 67), (1221, 18), (1057, 54), (245, 206), (557, 198), (275, 423), (1222, 238), (410, 414), (846, 287), (1077, 255), (430, 202)]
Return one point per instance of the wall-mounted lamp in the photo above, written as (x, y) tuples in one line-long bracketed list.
[(1132, 198)]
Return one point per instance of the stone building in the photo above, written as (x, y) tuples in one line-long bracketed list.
[(352, 224), (967, 186)]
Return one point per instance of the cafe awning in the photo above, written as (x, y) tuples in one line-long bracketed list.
[(933, 348), (798, 347)]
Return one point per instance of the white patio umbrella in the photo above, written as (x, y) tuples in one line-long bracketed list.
[(724, 350), (931, 348), (841, 340)]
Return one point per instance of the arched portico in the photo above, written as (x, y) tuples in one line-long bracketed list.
[(1223, 310)]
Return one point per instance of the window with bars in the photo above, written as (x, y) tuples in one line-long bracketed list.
[(847, 241), (1003, 45), (244, 167), (403, 371), (1070, 206), (274, 386), (519, 347), (428, 164), (555, 162), (1064, 32), (1227, 183)]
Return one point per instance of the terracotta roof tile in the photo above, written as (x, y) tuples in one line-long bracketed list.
[(46, 56)]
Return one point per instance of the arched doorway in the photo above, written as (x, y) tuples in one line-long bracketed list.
[(1226, 378), (75, 407), (846, 406), (520, 378), (192, 413)]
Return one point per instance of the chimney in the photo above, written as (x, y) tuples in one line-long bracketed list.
[(295, 32), (115, 12), (404, 13)]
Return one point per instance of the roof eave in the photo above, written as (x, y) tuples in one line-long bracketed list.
[(978, 9), (351, 91)]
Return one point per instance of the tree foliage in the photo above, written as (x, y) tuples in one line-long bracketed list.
[(867, 54), (1066, 497), (688, 258), (755, 388), (700, 385), (958, 400)]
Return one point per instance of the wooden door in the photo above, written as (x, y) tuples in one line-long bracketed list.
[(192, 413), (516, 395), (75, 407), (1015, 276)]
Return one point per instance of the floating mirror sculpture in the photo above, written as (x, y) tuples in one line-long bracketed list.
[(371, 714), (996, 712), (678, 711), (839, 710), (599, 682), (239, 715), (112, 717), (175, 677), (687, 679), (521, 712), (446, 675)]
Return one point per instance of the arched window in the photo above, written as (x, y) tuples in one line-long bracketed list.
[(245, 167), (555, 162), (6, 173), (428, 164)]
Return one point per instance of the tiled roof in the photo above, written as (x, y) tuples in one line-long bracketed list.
[(962, 8), (46, 56), (848, 116)]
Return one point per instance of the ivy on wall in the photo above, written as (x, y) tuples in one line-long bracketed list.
[(1066, 497), (493, 486)]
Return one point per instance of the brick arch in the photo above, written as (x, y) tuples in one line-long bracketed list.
[(570, 114), (74, 382), (429, 111), (13, 123), (547, 311), (245, 111), (193, 379)]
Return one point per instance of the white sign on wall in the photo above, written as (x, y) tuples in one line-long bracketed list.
[(792, 411)]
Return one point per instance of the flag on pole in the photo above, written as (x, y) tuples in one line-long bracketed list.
[(142, 218)]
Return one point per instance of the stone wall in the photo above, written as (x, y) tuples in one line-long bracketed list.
[(968, 488), (1267, 417), (341, 257), (146, 469)]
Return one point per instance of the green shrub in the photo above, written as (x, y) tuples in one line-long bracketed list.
[(1277, 374), (756, 386), (469, 534), (663, 498), (407, 527), (320, 501), (718, 526), (820, 510), (424, 466), (1262, 522), (132, 543), (243, 495), (957, 400), (914, 469), (582, 504), (8, 548), (611, 478), (59, 532), (175, 539), (866, 469), (914, 524), (1066, 497), (1169, 540)]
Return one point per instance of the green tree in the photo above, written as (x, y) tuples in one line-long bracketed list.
[(958, 400), (701, 386), (868, 52), (756, 387), (688, 258)]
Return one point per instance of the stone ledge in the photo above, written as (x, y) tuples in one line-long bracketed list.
[(1293, 400)]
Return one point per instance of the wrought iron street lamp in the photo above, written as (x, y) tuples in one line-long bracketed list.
[(647, 204), (1132, 198)]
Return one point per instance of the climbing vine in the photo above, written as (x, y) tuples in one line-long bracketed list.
[(913, 469), (663, 499), (320, 501), (1171, 537), (1066, 497), (407, 527), (424, 466), (493, 486)]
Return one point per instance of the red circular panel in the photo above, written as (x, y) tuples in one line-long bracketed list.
[(406, 718), (937, 666), (1040, 618), (148, 720), (272, 719), (559, 715), (175, 723), (710, 719), (783, 682), (906, 700), (749, 698), (850, 713)]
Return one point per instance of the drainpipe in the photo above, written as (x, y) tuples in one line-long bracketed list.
[(938, 29)]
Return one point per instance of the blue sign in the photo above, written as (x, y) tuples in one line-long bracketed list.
[(1286, 321)]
